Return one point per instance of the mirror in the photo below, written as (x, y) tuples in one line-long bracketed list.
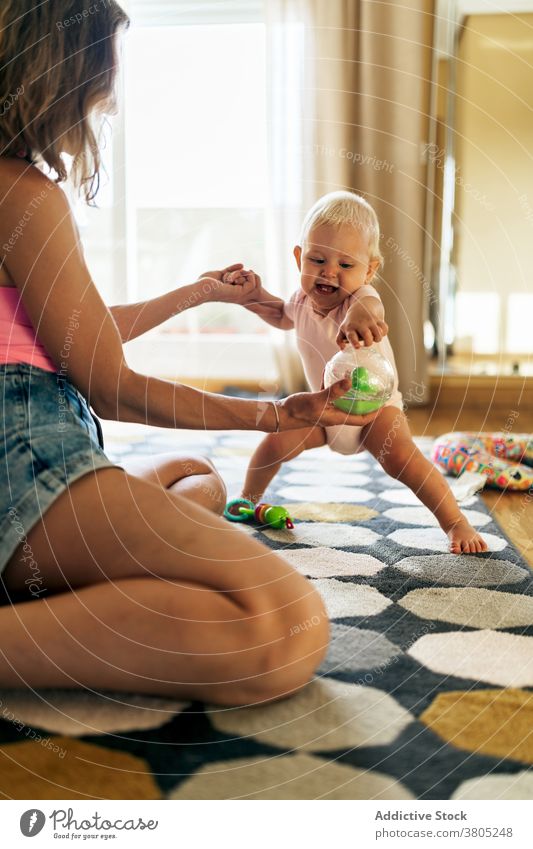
[(481, 161)]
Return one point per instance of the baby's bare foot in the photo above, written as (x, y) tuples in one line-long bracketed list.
[(464, 539)]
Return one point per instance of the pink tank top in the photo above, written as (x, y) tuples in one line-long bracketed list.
[(18, 342)]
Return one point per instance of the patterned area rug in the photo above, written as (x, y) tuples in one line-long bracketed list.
[(427, 690)]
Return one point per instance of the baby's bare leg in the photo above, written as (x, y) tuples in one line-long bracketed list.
[(274, 450), (389, 439)]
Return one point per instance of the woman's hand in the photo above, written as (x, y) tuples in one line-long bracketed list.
[(316, 408)]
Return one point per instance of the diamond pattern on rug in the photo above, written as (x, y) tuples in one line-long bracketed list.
[(326, 715), (281, 777), (496, 722), (512, 786), (323, 562), (401, 706)]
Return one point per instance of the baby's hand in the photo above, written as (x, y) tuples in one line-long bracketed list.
[(236, 278), (243, 287), (361, 329)]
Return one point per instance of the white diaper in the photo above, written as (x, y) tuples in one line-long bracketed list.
[(347, 439)]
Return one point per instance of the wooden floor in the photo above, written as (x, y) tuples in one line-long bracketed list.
[(512, 511), (432, 421)]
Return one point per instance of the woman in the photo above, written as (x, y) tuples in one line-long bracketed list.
[(136, 585)]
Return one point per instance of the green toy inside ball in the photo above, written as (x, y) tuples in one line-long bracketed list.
[(353, 402), (372, 378)]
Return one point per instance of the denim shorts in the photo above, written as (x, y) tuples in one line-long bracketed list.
[(49, 439)]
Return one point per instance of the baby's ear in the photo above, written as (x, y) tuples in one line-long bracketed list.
[(373, 268), (298, 256)]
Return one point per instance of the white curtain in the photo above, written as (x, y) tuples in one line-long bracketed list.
[(290, 161)]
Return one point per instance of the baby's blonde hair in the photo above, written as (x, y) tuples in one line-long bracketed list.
[(340, 208)]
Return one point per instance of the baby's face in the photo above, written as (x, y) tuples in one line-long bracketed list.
[(334, 262)]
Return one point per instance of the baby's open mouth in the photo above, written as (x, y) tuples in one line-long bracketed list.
[(325, 288)]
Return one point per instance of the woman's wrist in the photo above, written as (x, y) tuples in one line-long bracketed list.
[(185, 297), (201, 291), (276, 413), (268, 417), (285, 418)]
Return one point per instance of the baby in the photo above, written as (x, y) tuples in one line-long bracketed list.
[(337, 258)]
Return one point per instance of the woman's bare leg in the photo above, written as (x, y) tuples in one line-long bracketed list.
[(193, 477), (138, 635), (274, 450), (168, 598)]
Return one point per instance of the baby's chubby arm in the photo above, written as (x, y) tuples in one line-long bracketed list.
[(364, 323), (245, 288)]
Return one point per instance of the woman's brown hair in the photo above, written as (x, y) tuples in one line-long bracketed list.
[(58, 61)]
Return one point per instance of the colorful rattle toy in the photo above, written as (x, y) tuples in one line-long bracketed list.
[(372, 379), (241, 510)]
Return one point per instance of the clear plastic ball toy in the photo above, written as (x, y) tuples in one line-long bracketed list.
[(372, 379)]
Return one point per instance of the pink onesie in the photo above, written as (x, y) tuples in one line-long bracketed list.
[(315, 339)]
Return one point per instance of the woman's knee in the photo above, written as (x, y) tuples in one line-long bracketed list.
[(183, 467), (217, 488), (168, 469), (204, 466), (305, 629), (198, 478), (291, 642)]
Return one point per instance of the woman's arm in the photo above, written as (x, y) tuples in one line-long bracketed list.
[(47, 266), (133, 320), (149, 400)]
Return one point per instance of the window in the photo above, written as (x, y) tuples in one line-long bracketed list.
[(478, 322), (518, 327), (196, 162)]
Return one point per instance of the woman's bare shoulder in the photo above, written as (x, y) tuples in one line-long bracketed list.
[(23, 190), (13, 170), (21, 181)]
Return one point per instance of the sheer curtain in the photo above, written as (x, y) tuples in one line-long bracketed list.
[(290, 183)]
